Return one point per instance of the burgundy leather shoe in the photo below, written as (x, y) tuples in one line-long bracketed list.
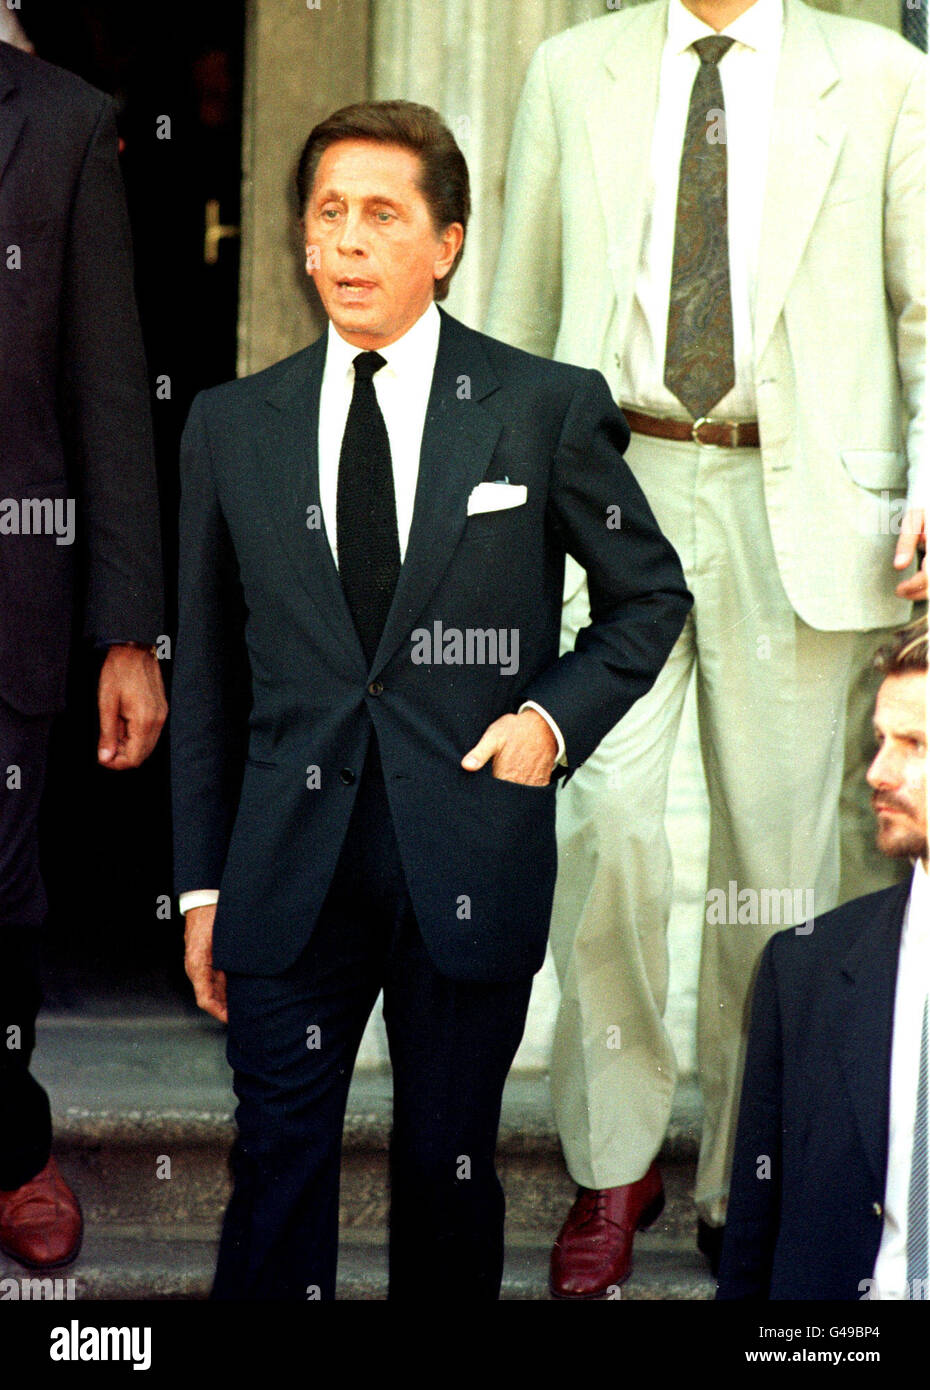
[(40, 1222), (594, 1249)]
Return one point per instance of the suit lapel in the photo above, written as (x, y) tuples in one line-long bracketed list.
[(12, 118), (459, 438), (807, 135), (291, 486), (864, 1012), (619, 126)]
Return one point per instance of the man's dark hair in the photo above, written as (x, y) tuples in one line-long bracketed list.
[(443, 177), (906, 652)]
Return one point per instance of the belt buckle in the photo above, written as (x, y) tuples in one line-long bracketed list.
[(732, 425)]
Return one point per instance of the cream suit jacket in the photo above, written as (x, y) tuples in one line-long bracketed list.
[(877, 11), (839, 318)]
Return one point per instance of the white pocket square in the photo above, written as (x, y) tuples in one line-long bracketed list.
[(496, 497)]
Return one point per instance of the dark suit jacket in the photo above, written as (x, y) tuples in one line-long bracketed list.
[(74, 401), (815, 1100), (258, 582)]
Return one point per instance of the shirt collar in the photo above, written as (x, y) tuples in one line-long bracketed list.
[(919, 901), (759, 28), (415, 350)]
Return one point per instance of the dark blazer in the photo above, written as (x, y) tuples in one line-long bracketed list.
[(815, 1101), (259, 589), (74, 401)]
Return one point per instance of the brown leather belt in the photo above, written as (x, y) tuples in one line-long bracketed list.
[(726, 434)]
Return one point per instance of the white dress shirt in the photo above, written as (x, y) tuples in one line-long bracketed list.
[(402, 387), (747, 74), (890, 1273)]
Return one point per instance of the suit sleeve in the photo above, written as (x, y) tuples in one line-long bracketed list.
[(526, 295), (107, 403), (753, 1208), (211, 690), (636, 588), (905, 273)]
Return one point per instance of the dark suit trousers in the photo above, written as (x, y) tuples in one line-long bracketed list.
[(292, 1043), (25, 1122)]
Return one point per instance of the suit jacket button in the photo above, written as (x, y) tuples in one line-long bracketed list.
[(376, 688), (347, 776), (876, 1209)]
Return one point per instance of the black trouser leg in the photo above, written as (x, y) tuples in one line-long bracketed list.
[(452, 1045), (280, 1235), (25, 1120)]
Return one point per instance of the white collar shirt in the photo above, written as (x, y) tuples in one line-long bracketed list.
[(402, 387), (890, 1275)]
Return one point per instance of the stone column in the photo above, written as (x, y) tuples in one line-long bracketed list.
[(302, 61), (468, 58)]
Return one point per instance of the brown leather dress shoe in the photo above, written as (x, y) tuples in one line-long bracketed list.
[(594, 1249), (40, 1222)]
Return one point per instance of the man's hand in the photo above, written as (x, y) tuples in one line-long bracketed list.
[(522, 746), (209, 984), (913, 530), (132, 705), (12, 32)]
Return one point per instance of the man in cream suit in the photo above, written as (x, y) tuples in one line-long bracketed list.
[(761, 320)]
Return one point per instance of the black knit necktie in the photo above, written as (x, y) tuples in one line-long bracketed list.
[(699, 363), (366, 516)]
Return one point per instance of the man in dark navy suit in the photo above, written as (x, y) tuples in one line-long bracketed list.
[(76, 474), (369, 706), (830, 1174)]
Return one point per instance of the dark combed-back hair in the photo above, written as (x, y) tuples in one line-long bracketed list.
[(906, 652), (443, 177)]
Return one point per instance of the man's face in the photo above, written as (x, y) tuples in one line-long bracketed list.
[(379, 253), (718, 13), (898, 774)]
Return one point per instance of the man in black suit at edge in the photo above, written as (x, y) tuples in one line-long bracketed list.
[(376, 529), (830, 1177), (76, 469)]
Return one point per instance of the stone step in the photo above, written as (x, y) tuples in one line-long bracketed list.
[(143, 1118), (135, 1263), (116, 1181)]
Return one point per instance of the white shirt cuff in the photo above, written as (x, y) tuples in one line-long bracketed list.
[(201, 897), (560, 749)]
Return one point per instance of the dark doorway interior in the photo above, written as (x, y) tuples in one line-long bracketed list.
[(175, 73)]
